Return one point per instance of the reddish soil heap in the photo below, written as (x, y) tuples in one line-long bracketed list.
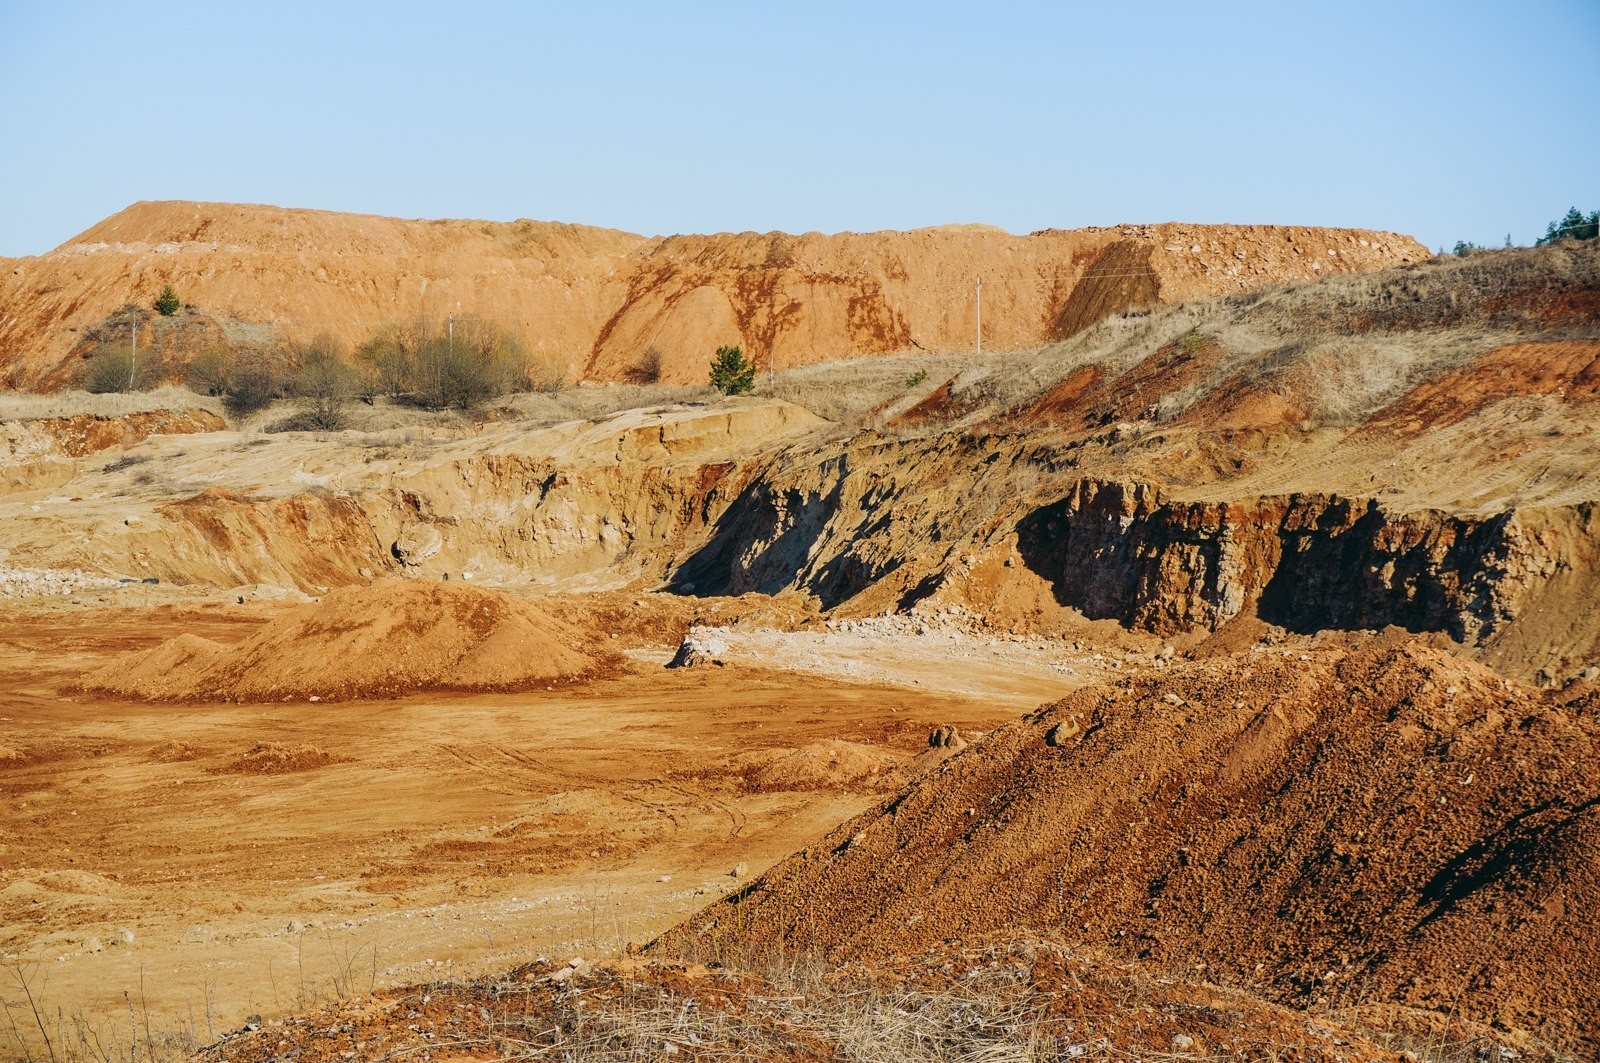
[(607, 305), (1390, 825), (392, 638)]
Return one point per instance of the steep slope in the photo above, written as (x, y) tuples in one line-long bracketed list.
[(304, 271), (1388, 825), (602, 303)]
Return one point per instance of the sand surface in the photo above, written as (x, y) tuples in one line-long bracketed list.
[(262, 856)]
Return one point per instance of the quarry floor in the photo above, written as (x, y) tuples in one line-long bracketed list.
[(203, 863)]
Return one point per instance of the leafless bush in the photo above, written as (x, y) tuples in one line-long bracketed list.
[(113, 369), (210, 370), (648, 371), (458, 364), (320, 376)]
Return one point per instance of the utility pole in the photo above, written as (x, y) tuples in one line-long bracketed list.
[(133, 359), (450, 320), (980, 317)]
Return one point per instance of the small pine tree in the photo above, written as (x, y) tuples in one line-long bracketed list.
[(168, 302), (731, 372)]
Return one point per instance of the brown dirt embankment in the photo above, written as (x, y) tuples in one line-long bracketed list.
[(608, 305), (1389, 825), (394, 637), (86, 433)]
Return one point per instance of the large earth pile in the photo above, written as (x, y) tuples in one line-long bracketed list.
[(1386, 825), (609, 305), (394, 637)]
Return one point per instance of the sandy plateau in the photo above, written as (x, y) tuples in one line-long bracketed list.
[(1216, 680)]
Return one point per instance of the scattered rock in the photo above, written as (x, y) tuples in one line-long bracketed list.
[(417, 543), (1064, 732), (699, 647)]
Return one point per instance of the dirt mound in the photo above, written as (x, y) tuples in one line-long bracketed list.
[(87, 433), (270, 758), (1392, 824), (831, 764), (699, 649), (609, 305), (391, 638), (173, 751)]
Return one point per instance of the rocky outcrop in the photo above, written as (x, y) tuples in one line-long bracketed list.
[(899, 521), (606, 305), (1119, 551)]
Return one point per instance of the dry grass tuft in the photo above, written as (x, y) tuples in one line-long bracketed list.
[(22, 406)]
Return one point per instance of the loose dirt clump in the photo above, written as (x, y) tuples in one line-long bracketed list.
[(392, 638), (831, 764), (1391, 824), (173, 751), (269, 758)]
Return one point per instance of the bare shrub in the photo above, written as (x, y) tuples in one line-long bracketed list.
[(210, 370), (114, 369), (461, 365), (648, 370), (255, 384), (321, 378)]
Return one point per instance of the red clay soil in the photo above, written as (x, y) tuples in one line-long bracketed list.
[(1389, 825), (1087, 399), (86, 433), (942, 405), (1058, 403), (394, 637), (1569, 369)]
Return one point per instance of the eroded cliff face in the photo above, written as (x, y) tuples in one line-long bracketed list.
[(1307, 563), (603, 502), (756, 496), (607, 305), (891, 525)]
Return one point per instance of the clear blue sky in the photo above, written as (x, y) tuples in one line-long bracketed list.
[(1458, 120)]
